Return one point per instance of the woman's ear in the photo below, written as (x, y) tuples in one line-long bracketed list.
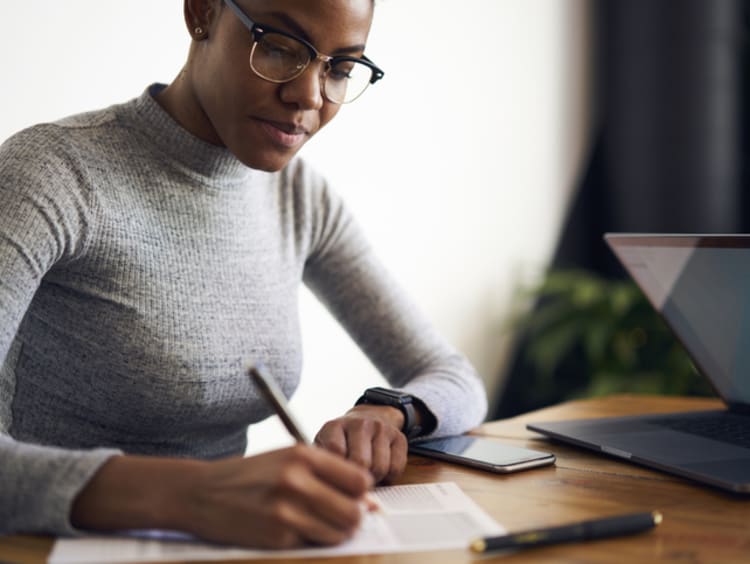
[(199, 17)]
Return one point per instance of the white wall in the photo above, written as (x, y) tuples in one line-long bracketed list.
[(458, 164)]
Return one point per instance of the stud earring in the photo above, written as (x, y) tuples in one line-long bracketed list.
[(198, 31)]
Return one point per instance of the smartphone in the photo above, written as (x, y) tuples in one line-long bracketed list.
[(482, 452)]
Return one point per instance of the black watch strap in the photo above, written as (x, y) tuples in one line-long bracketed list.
[(400, 400)]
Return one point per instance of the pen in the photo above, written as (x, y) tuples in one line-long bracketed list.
[(585, 530), (271, 391)]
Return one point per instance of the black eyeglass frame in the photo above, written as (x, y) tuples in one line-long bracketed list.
[(258, 30)]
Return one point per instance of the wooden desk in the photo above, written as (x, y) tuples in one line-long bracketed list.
[(700, 524)]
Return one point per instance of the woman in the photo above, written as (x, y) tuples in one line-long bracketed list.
[(151, 249)]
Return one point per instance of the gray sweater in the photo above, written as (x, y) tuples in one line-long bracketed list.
[(140, 270)]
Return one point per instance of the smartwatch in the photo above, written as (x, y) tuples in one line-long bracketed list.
[(401, 401)]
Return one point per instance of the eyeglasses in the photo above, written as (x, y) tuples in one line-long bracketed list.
[(278, 56)]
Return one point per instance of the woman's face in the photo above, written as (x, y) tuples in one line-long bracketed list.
[(263, 123)]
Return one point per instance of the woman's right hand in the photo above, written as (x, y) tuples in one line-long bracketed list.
[(279, 499)]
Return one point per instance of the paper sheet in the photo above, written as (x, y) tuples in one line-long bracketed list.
[(413, 518)]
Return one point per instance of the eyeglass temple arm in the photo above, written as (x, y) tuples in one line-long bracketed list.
[(377, 74), (250, 24)]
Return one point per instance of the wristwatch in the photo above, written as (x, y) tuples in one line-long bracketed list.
[(400, 400)]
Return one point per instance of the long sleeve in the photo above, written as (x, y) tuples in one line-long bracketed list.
[(347, 277), (41, 222), (140, 270)]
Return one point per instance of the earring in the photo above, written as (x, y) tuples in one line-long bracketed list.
[(198, 31)]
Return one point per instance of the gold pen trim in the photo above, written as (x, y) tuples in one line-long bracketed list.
[(658, 517), (478, 546)]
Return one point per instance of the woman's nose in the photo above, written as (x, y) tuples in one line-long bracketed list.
[(306, 91)]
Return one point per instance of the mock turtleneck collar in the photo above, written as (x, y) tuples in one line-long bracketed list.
[(217, 165)]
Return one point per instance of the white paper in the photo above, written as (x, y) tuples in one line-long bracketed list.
[(413, 518)]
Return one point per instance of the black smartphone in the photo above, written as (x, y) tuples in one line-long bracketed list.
[(482, 452)]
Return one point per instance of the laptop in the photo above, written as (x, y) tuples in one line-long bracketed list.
[(700, 285)]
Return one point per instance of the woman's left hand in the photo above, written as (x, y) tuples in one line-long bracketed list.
[(371, 436)]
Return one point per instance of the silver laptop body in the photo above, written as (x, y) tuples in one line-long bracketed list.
[(700, 285)]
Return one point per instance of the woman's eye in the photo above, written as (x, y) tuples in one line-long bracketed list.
[(341, 71)]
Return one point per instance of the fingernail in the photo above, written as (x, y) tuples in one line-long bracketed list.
[(371, 504)]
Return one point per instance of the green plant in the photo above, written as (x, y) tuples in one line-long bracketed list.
[(619, 341)]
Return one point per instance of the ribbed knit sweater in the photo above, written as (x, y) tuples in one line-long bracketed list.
[(141, 269)]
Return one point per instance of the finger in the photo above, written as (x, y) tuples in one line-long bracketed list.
[(337, 515), (334, 508), (381, 445), (332, 438), (341, 473), (399, 456), (307, 525), (389, 457), (359, 436)]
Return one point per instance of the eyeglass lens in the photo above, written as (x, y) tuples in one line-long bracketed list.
[(280, 58)]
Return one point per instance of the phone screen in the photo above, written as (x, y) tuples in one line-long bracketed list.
[(482, 452)]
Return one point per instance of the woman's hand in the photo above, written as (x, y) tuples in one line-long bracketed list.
[(279, 499), (371, 436)]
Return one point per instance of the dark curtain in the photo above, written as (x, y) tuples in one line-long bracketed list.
[(670, 149)]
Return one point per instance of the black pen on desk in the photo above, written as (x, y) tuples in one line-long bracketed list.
[(585, 530), (271, 391)]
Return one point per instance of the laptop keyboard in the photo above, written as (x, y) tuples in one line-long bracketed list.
[(723, 427)]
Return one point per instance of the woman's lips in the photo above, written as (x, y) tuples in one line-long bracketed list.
[(284, 134)]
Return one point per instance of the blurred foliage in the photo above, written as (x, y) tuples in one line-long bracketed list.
[(621, 343)]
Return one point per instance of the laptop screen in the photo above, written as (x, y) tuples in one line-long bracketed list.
[(701, 287)]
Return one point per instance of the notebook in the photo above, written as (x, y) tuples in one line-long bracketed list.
[(700, 285)]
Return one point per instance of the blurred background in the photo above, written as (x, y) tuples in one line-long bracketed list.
[(505, 139), (667, 155)]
